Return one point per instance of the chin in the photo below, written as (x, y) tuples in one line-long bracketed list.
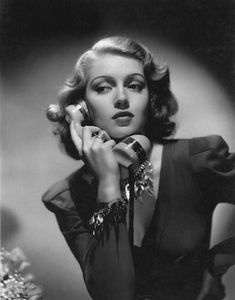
[(123, 134)]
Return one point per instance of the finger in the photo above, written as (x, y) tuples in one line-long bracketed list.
[(97, 142), (88, 135), (110, 143), (70, 115), (75, 138), (103, 135), (73, 114)]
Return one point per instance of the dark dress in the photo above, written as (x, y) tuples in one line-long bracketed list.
[(196, 175)]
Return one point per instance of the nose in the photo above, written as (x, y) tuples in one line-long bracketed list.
[(121, 99)]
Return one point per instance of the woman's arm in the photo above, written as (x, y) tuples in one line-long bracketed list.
[(214, 168), (107, 265), (220, 258)]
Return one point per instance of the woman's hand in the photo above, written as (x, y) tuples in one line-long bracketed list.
[(98, 154)]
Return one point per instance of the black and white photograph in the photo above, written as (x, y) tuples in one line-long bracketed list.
[(117, 149)]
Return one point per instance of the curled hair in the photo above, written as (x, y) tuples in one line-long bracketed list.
[(162, 104)]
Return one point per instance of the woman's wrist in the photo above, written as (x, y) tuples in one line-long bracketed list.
[(107, 215), (108, 190)]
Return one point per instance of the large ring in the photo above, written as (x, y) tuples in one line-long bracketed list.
[(102, 135)]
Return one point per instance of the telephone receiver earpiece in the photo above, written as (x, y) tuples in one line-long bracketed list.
[(79, 113), (131, 151)]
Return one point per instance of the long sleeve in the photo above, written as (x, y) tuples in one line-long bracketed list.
[(220, 258), (214, 169), (107, 265)]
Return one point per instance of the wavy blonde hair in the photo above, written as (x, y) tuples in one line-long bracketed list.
[(162, 103)]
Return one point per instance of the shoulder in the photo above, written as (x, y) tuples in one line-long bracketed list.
[(210, 155), (58, 195), (198, 149), (197, 144), (55, 190), (207, 143)]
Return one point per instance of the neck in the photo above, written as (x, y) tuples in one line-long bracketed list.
[(118, 140)]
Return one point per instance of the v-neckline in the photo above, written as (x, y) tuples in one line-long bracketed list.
[(160, 196)]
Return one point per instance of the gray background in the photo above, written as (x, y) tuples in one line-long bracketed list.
[(40, 42)]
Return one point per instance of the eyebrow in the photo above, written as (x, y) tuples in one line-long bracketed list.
[(111, 77)]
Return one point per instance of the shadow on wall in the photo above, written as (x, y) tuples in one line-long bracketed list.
[(10, 226)]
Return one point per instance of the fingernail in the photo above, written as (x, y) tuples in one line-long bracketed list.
[(103, 135)]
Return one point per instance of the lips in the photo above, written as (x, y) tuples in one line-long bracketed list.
[(122, 114)]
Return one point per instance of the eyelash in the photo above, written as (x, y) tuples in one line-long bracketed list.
[(102, 89), (138, 87)]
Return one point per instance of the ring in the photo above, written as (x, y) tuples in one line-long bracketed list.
[(101, 135)]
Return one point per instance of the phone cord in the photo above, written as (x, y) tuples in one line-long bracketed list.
[(131, 206)]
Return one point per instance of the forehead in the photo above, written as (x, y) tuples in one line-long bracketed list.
[(114, 66)]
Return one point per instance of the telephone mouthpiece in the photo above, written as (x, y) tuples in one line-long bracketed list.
[(132, 150)]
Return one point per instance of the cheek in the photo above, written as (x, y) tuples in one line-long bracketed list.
[(144, 107), (93, 109), (98, 114)]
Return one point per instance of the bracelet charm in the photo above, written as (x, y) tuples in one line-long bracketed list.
[(111, 214)]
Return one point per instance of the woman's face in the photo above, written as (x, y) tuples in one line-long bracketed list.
[(117, 95)]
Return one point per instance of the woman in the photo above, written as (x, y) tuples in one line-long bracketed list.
[(156, 247)]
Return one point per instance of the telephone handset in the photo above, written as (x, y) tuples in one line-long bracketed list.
[(131, 151)]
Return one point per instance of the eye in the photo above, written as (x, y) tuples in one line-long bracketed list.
[(103, 89), (136, 86)]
